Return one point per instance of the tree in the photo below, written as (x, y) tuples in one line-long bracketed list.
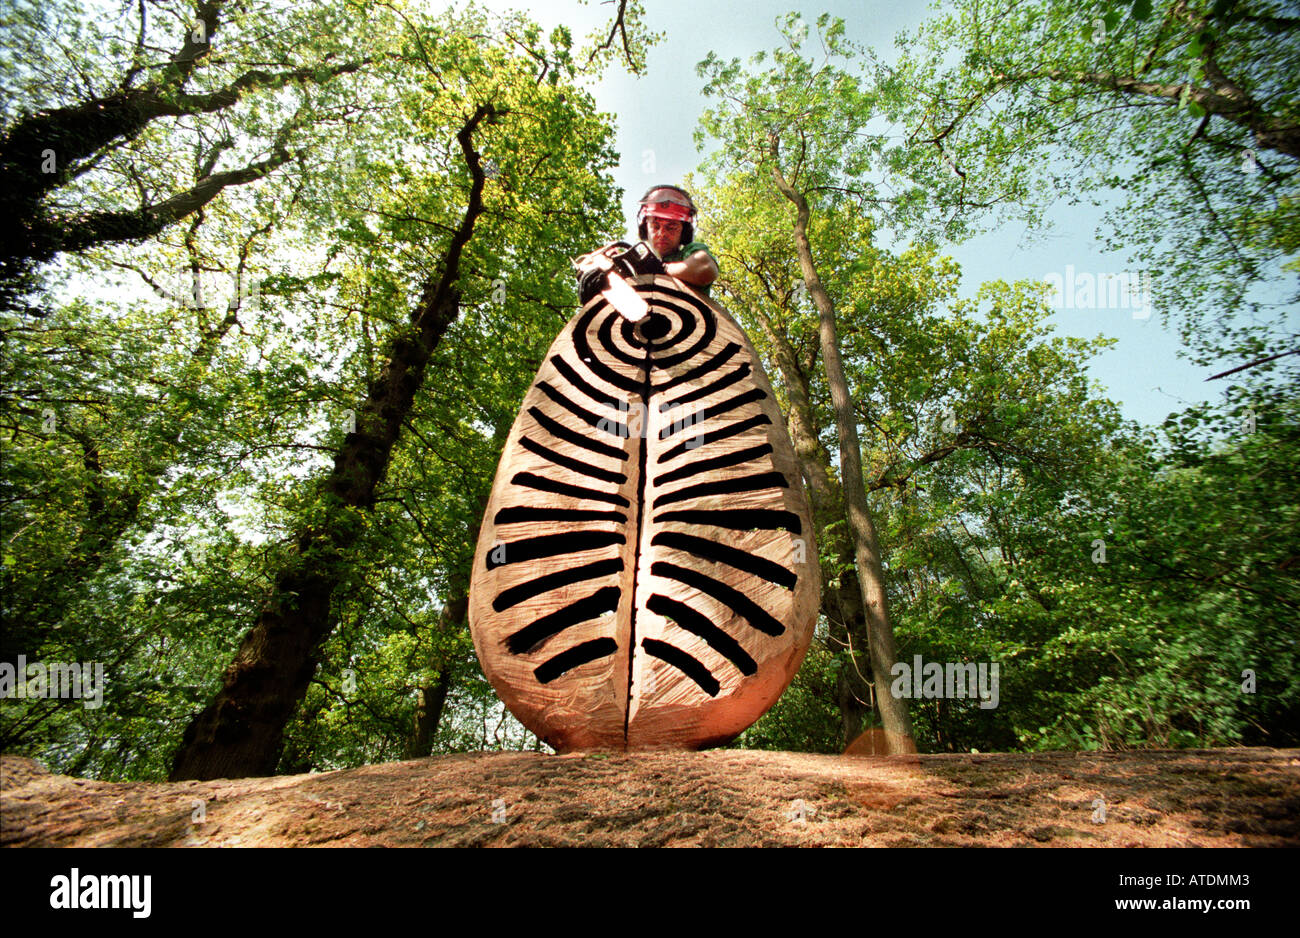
[(497, 97), (82, 159), (94, 105), (962, 403), (795, 126), (212, 411), (1187, 109), (944, 393)]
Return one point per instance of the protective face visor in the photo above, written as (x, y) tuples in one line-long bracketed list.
[(668, 204)]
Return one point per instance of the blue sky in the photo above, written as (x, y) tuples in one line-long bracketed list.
[(656, 116)]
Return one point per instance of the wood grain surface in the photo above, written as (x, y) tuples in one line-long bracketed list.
[(645, 575)]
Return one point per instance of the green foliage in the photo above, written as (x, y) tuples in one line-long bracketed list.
[(805, 719), (201, 383), (1186, 113), (995, 468), (168, 406)]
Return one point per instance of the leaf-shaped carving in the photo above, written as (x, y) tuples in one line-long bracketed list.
[(645, 574)]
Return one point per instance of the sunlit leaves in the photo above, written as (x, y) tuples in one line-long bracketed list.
[(1189, 111), (189, 435)]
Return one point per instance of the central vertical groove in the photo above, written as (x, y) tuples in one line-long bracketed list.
[(640, 514)]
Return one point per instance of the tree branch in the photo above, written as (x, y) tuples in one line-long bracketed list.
[(101, 227), (619, 27), (1271, 132)]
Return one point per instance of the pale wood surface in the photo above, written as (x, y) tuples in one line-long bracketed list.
[(589, 705)]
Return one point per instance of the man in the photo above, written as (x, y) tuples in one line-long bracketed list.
[(666, 223)]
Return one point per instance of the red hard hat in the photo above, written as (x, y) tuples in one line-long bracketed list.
[(666, 202)]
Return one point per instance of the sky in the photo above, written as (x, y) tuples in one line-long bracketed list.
[(656, 116)]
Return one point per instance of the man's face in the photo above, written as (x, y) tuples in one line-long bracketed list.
[(665, 235)]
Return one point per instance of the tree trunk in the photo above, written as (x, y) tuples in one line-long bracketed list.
[(241, 731), (428, 712), (893, 712), (68, 135), (841, 602), (433, 697)]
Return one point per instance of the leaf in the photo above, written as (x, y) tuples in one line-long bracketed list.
[(1142, 10), (725, 573)]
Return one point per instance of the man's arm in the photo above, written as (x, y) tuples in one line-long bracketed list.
[(699, 270)]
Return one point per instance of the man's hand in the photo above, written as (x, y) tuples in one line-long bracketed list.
[(620, 259), (699, 270), (590, 283), (638, 259), (593, 269)]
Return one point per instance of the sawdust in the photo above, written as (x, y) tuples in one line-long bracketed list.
[(1222, 798)]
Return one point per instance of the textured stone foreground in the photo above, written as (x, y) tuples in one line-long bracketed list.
[(1214, 797)]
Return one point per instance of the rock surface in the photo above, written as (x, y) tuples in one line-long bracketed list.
[(1219, 797)]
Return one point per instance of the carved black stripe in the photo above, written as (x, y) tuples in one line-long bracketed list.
[(764, 480), (604, 424), (573, 657), (661, 290), (637, 334), (704, 341), (733, 599), (699, 393), (718, 462), (572, 465), (683, 662), (714, 363), (731, 403), (695, 623), (560, 431), (713, 436), (605, 336), (593, 363), (551, 545), (738, 519), (543, 484), (522, 514), (524, 591), (534, 634), (711, 550), (722, 407), (582, 384)]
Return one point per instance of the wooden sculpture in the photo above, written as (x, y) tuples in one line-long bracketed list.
[(645, 574)]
